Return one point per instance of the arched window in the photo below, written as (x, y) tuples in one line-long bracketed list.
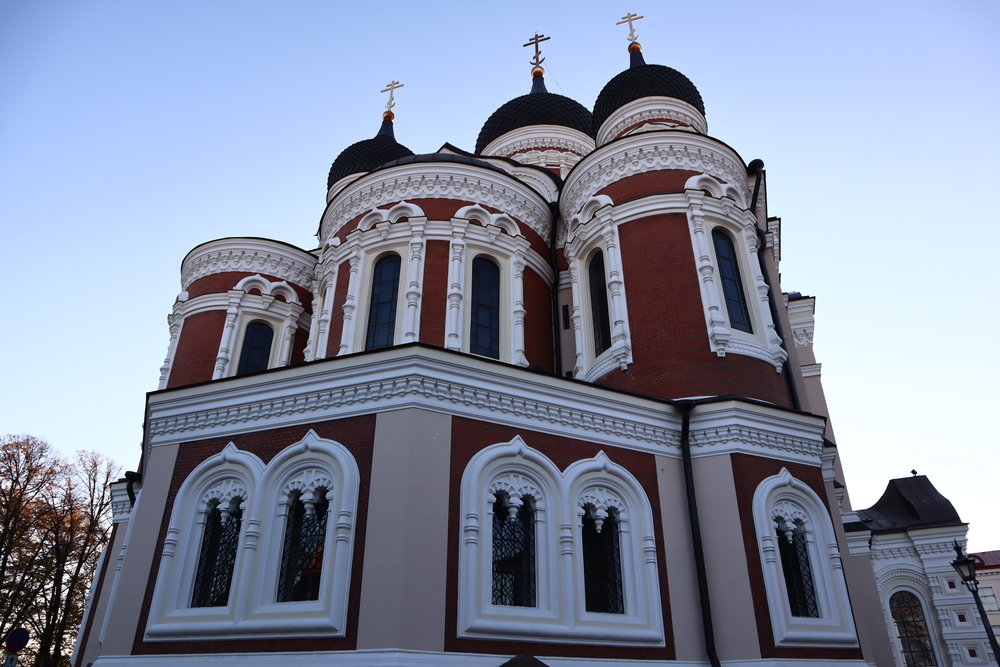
[(601, 320), (256, 352), (795, 567), (218, 554), (911, 627), (302, 556), (484, 329), (513, 552), (382, 307), (732, 284), (602, 561)]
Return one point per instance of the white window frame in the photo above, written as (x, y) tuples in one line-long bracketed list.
[(560, 611), (251, 610), (834, 626)]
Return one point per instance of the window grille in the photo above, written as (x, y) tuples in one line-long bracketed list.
[(382, 307), (602, 562), (513, 553), (911, 626), (600, 317), (484, 333), (218, 555), (794, 552), (302, 556), (256, 352), (732, 284)]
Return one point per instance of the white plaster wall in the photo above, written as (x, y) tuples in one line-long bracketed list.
[(406, 540)]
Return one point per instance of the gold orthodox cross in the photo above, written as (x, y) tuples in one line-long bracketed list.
[(535, 41), (629, 18), (391, 88)]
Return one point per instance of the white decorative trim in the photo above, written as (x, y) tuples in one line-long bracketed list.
[(450, 180), (717, 189), (642, 153), (560, 611), (667, 111), (394, 214), (783, 499), (121, 505), (234, 475), (543, 146), (801, 319), (250, 256)]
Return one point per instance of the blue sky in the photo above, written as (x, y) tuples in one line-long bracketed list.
[(132, 131)]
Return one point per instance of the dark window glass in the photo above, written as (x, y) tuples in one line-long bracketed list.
[(382, 308), (256, 350), (911, 626), (484, 332), (602, 563), (732, 284), (794, 551), (302, 557), (218, 555), (513, 553), (599, 303)]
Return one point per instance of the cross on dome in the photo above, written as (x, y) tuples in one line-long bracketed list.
[(535, 41), (391, 89), (630, 19)]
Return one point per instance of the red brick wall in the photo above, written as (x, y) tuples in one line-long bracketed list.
[(469, 436), (434, 303), (299, 346), (648, 183), (225, 281), (537, 321), (357, 434), (748, 472), (336, 326), (670, 348), (194, 358)]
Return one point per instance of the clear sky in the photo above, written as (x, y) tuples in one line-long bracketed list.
[(132, 131)]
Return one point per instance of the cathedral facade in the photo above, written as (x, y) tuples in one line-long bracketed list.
[(545, 399)]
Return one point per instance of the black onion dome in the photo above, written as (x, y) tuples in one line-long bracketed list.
[(539, 107), (368, 154), (642, 80)]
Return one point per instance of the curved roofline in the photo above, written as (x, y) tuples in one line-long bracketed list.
[(252, 238), (556, 179)]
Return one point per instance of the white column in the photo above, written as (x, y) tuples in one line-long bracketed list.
[(414, 283), (351, 303), (517, 297), (176, 322), (718, 331), (228, 336), (456, 281)]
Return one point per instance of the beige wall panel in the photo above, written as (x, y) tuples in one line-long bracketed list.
[(406, 540), (129, 587), (99, 606)]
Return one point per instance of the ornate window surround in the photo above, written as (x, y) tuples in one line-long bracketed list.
[(914, 583), (312, 462), (596, 227), (560, 611), (783, 493)]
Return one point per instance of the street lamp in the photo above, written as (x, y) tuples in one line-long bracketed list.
[(966, 568)]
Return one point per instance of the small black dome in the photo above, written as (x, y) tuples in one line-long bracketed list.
[(368, 154), (539, 107), (642, 80)]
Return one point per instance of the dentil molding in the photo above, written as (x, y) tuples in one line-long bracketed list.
[(249, 255)]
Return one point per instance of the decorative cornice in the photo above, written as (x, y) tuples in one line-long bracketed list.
[(649, 151), (758, 438), (250, 256), (438, 180), (645, 109), (540, 136)]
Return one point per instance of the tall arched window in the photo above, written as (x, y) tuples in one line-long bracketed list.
[(302, 556), (732, 284), (911, 627), (602, 561), (256, 352), (794, 553), (382, 307), (217, 555), (484, 328), (600, 318), (513, 552)]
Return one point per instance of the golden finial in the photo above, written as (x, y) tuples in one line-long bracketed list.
[(537, 60), (630, 18), (390, 88)]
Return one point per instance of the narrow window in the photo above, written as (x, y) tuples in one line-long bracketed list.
[(599, 303), (732, 285), (513, 552), (794, 551), (256, 352), (218, 555), (911, 627), (602, 562), (302, 556), (382, 307), (484, 333)]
